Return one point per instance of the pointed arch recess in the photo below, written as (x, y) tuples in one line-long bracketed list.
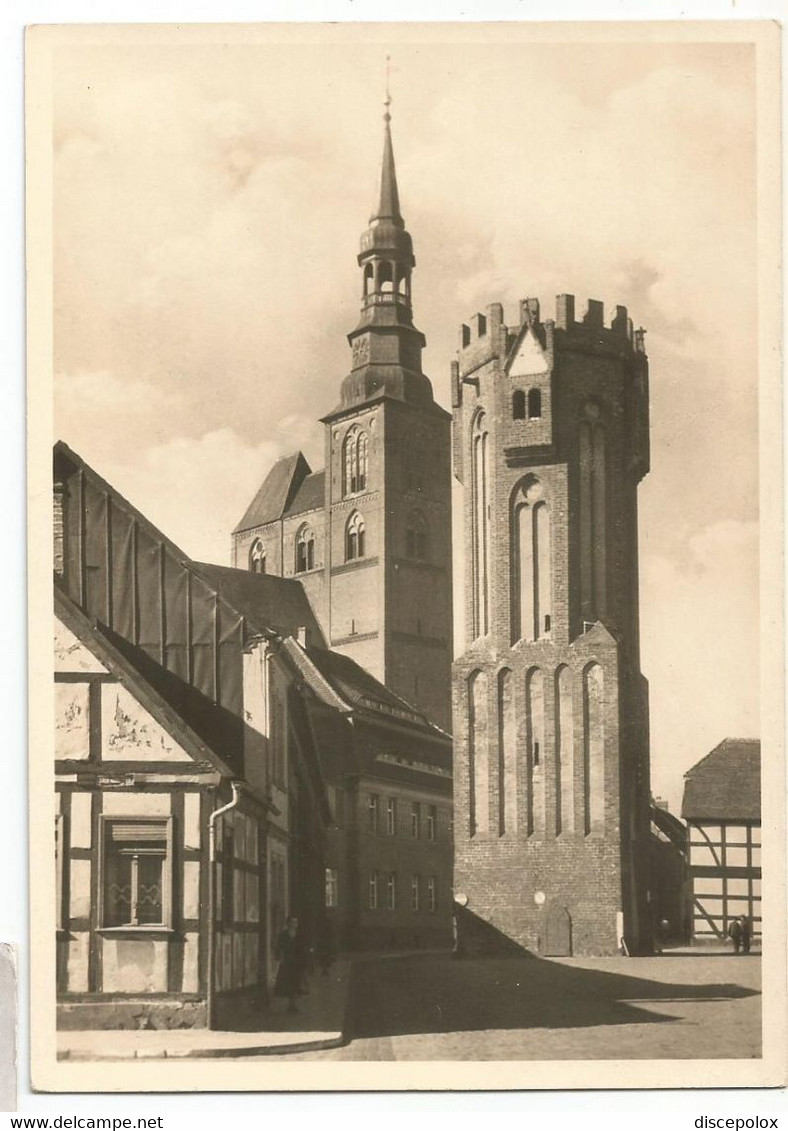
[(478, 754), (594, 749)]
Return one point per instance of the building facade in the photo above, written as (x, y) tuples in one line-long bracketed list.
[(369, 537), (722, 808), (551, 439)]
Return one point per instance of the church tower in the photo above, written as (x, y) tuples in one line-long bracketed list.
[(551, 439), (388, 481), (369, 538)]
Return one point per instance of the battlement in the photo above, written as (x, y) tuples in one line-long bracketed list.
[(487, 335)]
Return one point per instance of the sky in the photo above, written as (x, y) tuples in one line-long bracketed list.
[(208, 201)]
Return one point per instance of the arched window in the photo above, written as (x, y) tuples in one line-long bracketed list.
[(531, 562), (369, 274), (305, 549), (594, 748), (518, 404), (385, 277), (416, 536), (480, 519), (354, 538), (257, 557), (355, 462), (478, 755), (534, 404), (593, 536)]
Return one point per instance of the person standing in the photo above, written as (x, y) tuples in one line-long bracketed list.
[(746, 933), (292, 956), (735, 932)]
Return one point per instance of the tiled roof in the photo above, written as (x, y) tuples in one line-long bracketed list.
[(726, 784), (277, 492), (310, 495), (266, 601)]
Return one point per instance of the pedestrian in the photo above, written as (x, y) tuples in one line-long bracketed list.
[(735, 932), (292, 956), (746, 933)]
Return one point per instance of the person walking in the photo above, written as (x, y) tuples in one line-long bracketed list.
[(746, 933), (292, 956), (735, 933)]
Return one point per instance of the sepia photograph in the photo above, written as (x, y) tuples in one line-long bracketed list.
[(406, 597)]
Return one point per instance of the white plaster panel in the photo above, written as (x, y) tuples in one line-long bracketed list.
[(72, 720), (191, 820), (136, 803), (191, 963), (129, 732), (78, 949), (71, 655), (79, 889), (134, 965), (191, 889), (81, 814)]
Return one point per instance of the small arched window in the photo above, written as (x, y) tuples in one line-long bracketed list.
[(305, 549), (257, 557), (534, 404), (385, 277), (369, 274), (355, 462), (416, 536), (354, 538), (518, 404)]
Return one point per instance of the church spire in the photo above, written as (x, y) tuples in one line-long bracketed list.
[(388, 206)]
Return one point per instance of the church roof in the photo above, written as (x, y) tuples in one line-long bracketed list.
[(276, 493), (310, 496), (265, 601), (726, 784)]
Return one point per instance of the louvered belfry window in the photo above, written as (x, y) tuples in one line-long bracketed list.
[(137, 866)]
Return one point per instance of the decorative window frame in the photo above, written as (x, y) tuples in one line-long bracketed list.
[(166, 824)]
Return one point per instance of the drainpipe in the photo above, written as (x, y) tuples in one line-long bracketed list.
[(236, 788)]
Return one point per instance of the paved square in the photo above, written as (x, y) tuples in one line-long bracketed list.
[(431, 1007)]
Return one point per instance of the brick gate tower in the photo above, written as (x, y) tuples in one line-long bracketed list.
[(550, 710), (369, 538)]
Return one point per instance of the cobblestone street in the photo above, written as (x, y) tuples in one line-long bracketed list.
[(429, 1007)]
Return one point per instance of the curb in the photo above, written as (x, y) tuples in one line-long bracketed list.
[(207, 1054)]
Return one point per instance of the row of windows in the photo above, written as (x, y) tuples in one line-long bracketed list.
[(423, 895), (416, 543), (427, 826)]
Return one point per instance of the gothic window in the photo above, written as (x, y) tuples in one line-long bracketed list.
[(416, 536), (534, 739), (305, 549), (564, 752), (354, 538), (136, 865), (355, 462), (534, 404), (593, 503), (480, 521), (518, 405), (257, 557), (507, 754), (594, 748), (478, 754), (531, 562)]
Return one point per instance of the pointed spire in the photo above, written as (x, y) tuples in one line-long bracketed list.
[(388, 206)]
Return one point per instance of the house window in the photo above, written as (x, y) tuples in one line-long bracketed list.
[(305, 549), (534, 404), (415, 893), (432, 895), (432, 822), (332, 887), (136, 872), (415, 819), (372, 812), (391, 816), (416, 536), (354, 538), (518, 405), (355, 462), (257, 557), (391, 891), (373, 891)]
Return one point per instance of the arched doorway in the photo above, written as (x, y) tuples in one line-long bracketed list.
[(557, 933)]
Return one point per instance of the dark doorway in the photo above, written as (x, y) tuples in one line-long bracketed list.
[(557, 938)]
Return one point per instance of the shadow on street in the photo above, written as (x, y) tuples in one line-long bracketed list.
[(432, 993)]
